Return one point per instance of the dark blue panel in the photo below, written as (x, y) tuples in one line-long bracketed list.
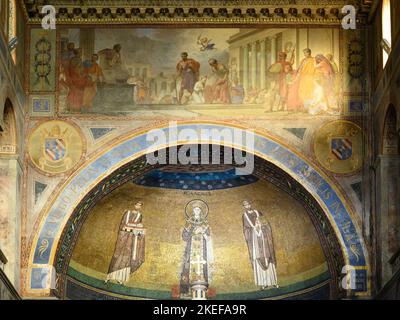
[(195, 181)]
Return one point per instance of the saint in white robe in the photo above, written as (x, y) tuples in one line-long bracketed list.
[(261, 249)]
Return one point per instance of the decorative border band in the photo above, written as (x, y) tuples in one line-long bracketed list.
[(315, 182)]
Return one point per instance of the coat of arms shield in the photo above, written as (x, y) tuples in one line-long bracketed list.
[(342, 148), (55, 149)]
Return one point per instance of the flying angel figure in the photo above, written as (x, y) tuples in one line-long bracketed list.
[(205, 43)]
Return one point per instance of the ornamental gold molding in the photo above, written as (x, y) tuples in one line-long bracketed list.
[(223, 12)]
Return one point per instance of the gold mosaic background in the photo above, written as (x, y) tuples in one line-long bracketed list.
[(299, 254)]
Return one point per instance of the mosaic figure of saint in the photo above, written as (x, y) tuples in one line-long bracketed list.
[(258, 235), (129, 248), (198, 256)]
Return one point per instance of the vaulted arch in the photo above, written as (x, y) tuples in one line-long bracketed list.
[(388, 190), (8, 132), (10, 188), (139, 172), (391, 149), (390, 137), (57, 217)]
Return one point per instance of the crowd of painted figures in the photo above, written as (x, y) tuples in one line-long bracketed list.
[(311, 88), (80, 78)]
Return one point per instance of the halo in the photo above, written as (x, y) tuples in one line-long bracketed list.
[(196, 203)]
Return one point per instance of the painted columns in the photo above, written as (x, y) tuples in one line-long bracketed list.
[(254, 65), (273, 49), (263, 66), (254, 71), (87, 39), (246, 67)]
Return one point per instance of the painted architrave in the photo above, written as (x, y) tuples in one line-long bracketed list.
[(339, 214)]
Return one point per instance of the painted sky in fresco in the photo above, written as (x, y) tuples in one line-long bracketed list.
[(147, 45)]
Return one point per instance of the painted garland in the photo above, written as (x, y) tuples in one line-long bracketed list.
[(42, 57), (356, 59)]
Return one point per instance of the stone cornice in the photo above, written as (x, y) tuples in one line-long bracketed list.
[(224, 12)]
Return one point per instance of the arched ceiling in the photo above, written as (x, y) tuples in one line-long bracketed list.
[(60, 222), (264, 170)]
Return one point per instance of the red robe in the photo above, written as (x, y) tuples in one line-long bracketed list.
[(283, 88), (76, 82)]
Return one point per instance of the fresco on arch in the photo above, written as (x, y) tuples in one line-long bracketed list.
[(200, 72)]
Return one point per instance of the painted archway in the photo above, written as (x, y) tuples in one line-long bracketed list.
[(324, 191), (164, 188), (8, 136)]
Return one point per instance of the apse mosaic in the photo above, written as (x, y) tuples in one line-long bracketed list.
[(192, 185), (208, 72), (243, 240)]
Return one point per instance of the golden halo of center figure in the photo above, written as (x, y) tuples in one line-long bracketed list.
[(190, 211), (338, 146), (55, 147)]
